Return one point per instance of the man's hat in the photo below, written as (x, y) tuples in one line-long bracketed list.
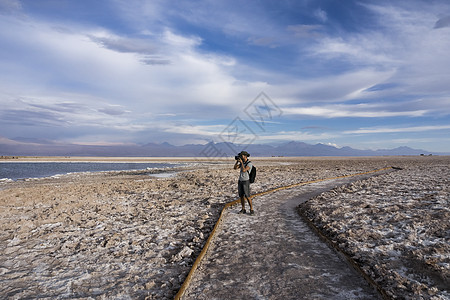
[(245, 153)]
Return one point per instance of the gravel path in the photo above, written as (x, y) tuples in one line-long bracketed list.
[(275, 255)]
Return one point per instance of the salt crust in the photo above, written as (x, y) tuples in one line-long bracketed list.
[(395, 226), (129, 235)]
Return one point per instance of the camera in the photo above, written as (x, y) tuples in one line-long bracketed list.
[(237, 157)]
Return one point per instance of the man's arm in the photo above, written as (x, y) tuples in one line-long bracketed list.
[(236, 165), (244, 168)]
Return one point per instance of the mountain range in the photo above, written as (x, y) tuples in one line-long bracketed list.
[(22, 147)]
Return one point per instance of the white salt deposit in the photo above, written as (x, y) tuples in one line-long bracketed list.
[(396, 226), (123, 235)]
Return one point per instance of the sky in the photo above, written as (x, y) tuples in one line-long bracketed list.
[(364, 74)]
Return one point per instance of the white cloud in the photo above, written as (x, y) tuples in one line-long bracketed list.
[(174, 74), (305, 30), (321, 15), (10, 6), (296, 136), (360, 49), (199, 130), (180, 42), (333, 145), (351, 111), (218, 133), (113, 110), (79, 76), (336, 88), (375, 109), (404, 41), (398, 129)]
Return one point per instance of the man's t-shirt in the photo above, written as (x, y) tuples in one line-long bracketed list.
[(243, 176)]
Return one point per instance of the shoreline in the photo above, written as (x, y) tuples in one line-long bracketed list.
[(41, 170)]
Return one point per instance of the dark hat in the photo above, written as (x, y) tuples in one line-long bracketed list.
[(245, 153)]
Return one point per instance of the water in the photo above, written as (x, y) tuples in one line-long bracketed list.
[(23, 170)]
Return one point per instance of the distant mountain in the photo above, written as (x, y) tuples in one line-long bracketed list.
[(24, 147), (304, 149)]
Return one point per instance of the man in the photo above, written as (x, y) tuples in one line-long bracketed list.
[(245, 166)]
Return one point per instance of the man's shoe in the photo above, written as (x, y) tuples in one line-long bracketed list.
[(242, 211), (252, 212)]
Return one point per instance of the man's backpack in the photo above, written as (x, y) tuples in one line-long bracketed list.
[(252, 173)]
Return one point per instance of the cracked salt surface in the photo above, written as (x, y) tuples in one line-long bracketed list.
[(398, 229), (120, 231)]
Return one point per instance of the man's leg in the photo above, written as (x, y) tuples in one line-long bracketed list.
[(249, 200), (248, 196), (243, 203), (241, 193)]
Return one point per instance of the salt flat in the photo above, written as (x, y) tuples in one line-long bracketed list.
[(129, 235), (395, 226)]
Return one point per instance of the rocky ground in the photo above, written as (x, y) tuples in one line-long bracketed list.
[(395, 226), (130, 235)]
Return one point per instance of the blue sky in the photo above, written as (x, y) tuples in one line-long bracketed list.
[(365, 74)]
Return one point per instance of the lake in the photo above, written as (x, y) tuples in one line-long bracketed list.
[(23, 170)]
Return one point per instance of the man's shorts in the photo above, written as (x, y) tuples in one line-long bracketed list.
[(244, 188)]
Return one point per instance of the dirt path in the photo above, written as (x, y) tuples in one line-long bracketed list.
[(275, 255)]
